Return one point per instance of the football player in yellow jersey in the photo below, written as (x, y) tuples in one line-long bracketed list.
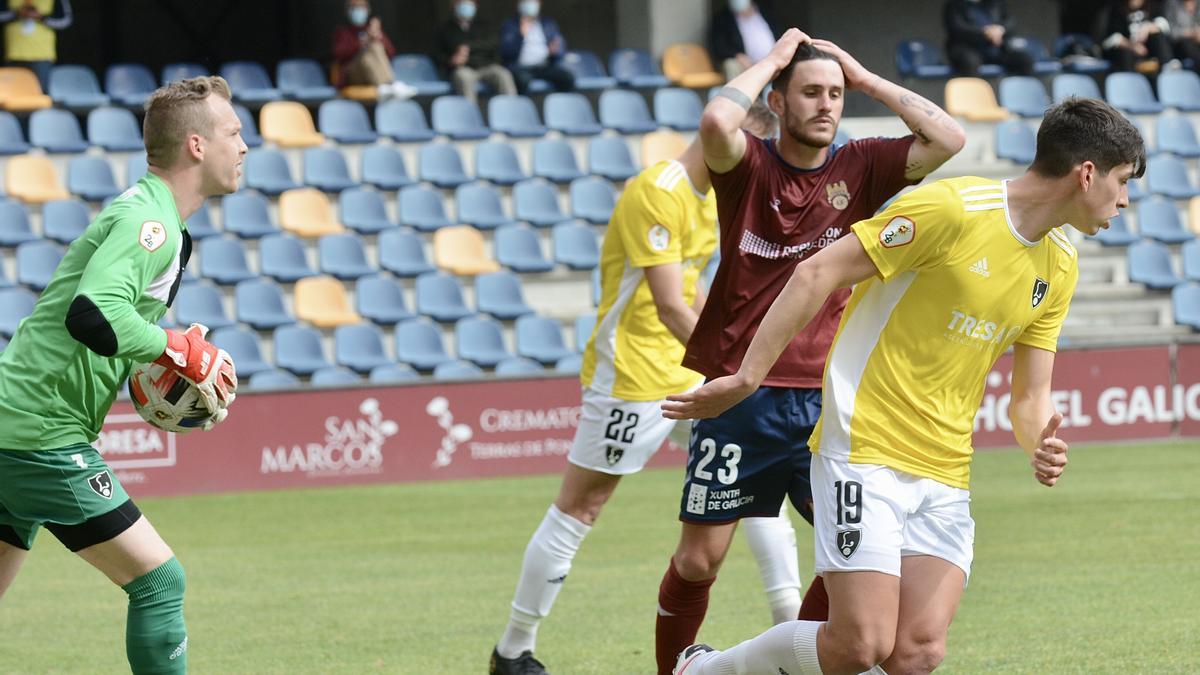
[(946, 279)]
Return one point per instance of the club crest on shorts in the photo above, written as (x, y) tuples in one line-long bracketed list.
[(847, 542), (1040, 287), (101, 484), (613, 454)]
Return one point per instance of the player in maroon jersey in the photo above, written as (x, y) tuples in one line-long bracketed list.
[(778, 202)]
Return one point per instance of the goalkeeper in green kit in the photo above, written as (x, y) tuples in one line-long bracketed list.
[(67, 360)]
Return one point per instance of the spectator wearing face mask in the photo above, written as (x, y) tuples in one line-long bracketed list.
[(467, 49), (740, 35), (364, 54), (531, 46)]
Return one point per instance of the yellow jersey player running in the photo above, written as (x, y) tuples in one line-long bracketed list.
[(946, 280)]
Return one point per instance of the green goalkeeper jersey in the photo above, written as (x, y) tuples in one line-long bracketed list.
[(68, 359)]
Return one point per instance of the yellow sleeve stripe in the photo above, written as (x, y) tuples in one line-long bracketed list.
[(980, 198), (984, 207)]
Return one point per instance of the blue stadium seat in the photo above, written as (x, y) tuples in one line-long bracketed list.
[(129, 83), (380, 298), (440, 297), (1043, 62), (541, 339), (359, 347), (303, 80), (250, 133), (260, 303), (636, 68), (325, 169), (519, 249), (75, 88), (609, 157), (536, 202), (363, 210), (223, 260), (553, 159), (249, 82), (1190, 252), (298, 349), (1117, 233), (267, 171), (346, 122), (1131, 93), (592, 199), (402, 121), (274, 379), (1167, 175), (14, 224), (283, 258), (1175, 134), (1150, 264), (678, 108), (419, 344), (570, 113), (343, 256), (402, 252), (587, 69), (1185, 299), (115, 130), (1015, 141), (15, 304), (571, 363), (63, 220), (575, 245), (418, 71), (421, 208), (12, 139), (393, 373), (199, 224), (1069, 47), (457, 370), (458, 118), (90, 177), (440, 164), (479, 205), (248, 215), (1179, 89), (1158, 219), (56, 131), (625, 112), (36, 262), (201, 303), (921, 59), (182, 71), (1073, 84), (500, 294), (515, 116), (480, 340), (1136, 191), (242, 346), (334, 377), (135, 168), (518, 365), (1025, 96), (584, 325), (383, 166), (497, 163)]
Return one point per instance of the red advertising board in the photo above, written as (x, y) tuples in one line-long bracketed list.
[(1187, 380)]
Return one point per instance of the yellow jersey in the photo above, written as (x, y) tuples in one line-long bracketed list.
[(659, 219), (957, 286)]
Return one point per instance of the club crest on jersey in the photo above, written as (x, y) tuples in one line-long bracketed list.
[(152, 236), (847, 542), (613, 454), (838, 195), (101, 484), (898, 232), (1039, 291), (659, 238)]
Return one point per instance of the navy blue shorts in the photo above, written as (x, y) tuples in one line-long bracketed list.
[(743, 463)]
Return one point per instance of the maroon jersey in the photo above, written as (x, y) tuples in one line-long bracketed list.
[(772, 216)]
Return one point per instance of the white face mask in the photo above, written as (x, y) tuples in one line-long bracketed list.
[(739, 6), (465, 10), (359, 15), (529, 8)]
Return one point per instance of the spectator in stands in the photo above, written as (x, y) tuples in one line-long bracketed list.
[(29, 34), (467, 50), (531, 47), (364, 54), (740, 35), (1136, 37), (979, 32), (1183, 17)]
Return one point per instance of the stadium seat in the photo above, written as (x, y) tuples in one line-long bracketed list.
[(571, 363), (519, 249), (20, 91), (1190, 252), (480, 340), (569, 113), (584, 325), (298, 350), (268, 172), (307, 212), (518, 365), (1043, 62), (12, 139), (115, 130), (1073, 84), (75, 88), (383, 166), (554, 160), (33, 179), (135, 168), (36, 262), (536, 202), (303, 80), (636, 68), (15, 305), (359, 347), (1179, 89), (402, 121), (419, 344), (322, 301), (678, 108), (1131, 93), (440, 164), (273, 379), (921, 59), (1015, 141), (418, 71), (609, 157), (284, 258), (56, 131), (458, 118), (625, 112), (661, 145), (393, 373), (592, 199), (1070, 48), (1136, 191), (402, 253), (249, 126), (380, 298), (460, 250), (250, 84), (363, 210), (14, 224), (260, 304), (345, 122), (199, 224), (587, 69), (334, 377), (1117, 233), (1150, 265), (242, 346), (541, 339), (497, 163), (182, 71), (1024, 96), (457, 370), (1193, 215), (575, 245), (1167, 175), (440, 297), (1158, 219), (688, 65), (247, 214), (421, 208), (288, 124), (223, 260), (500, 295), (479, 204), (343, 256), (326, 170), (1175, 134), (972, 98), (62, 220), (1185, 300), (201, 303), (515, 117), (90, 177), (129, 83)]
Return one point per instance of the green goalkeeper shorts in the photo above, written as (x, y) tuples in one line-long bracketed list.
[(69, 490)]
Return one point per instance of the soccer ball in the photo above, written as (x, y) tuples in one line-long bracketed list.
[(165, 399)]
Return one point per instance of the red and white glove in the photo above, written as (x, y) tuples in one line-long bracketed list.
[(201, 363)]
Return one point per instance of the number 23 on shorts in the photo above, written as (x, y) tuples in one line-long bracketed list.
[(730, 454)]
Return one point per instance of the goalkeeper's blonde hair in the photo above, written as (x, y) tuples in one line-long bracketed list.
[(176, 111)]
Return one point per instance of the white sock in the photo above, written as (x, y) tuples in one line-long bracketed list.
[(773, 542), (789, 647), (547, 560)]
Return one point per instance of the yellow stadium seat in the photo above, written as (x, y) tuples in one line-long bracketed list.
[(460, 250), (688, 65), (322, 301), (367, 93), (289, 125), (33, 179), (660, 145), (1194, 215), (972, 98), (306, 212), (20, 91)]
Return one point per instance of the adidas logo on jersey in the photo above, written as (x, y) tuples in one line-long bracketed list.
[(981, 268)]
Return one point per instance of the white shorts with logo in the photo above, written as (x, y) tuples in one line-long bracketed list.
[(616, 436), (867, 517)]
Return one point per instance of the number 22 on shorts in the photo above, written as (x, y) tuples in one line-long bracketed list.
[(731, 453)]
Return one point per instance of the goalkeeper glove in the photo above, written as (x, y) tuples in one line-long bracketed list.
[(201, 363)]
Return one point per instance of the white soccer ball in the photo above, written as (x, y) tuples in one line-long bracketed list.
[(166, 400)]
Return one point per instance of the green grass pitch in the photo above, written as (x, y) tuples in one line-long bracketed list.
[(1098, 575)]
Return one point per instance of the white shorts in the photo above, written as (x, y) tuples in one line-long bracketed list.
[(866, 517), (616, 436)]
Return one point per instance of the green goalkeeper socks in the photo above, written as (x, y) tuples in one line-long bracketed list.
[(155, 635)]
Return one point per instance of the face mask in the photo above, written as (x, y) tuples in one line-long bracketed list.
[(529, 7), (359, 15), (739, 6), (465, 10)]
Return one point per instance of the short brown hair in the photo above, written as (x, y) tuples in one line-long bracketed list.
[(804, 52), (176, 111), (1087, 129)]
